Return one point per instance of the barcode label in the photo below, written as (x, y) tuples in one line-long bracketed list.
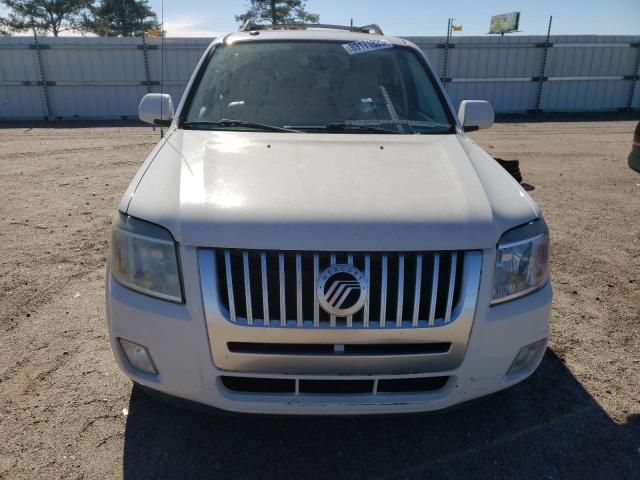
[(364, 46)]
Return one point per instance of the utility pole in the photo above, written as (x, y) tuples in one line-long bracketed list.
[(543, 66)]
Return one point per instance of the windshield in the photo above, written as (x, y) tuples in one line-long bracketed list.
[(318, 86)]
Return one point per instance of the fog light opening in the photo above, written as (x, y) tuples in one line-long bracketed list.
[(138, 356), (526, 357)]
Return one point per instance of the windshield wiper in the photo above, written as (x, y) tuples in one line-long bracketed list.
[(343, 127), (225, 122), (354, 126)]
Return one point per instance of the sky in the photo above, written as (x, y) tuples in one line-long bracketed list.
[(421, 17), (193, 18)]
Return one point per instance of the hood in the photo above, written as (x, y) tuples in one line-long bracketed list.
[(354, 192)]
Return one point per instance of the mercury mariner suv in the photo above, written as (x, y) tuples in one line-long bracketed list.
[(316, 234)]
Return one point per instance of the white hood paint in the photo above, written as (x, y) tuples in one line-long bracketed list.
[(327, 192)]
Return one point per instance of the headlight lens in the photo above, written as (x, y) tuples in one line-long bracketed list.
[(522, 265), (143, 258)]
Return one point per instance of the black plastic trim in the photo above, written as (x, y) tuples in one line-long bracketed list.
[(329, 349)]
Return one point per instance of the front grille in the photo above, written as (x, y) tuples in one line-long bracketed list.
[(333, 387), (278, 289)]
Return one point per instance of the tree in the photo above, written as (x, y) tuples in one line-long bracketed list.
[(278, 11), (4, 31), (121, 18), (155, 31), (44, 16)]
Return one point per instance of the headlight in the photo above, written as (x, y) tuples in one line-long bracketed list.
[(522, 265), (143, 258)]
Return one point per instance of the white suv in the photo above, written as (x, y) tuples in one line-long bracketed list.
[(316, 234)]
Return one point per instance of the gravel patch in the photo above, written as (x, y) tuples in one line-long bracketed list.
[(67, 412)]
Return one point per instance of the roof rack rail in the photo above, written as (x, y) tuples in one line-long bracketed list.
[(249, 26)]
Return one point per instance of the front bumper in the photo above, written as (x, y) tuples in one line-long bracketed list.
[(178, 340)]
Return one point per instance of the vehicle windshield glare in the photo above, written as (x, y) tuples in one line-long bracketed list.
[(315, 86)]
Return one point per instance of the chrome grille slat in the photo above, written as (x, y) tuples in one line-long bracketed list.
[(283, 298), (299, 289), (350, 317), (367, 275), (383, 293), (405, 290), (416, 295), (316, 303), (247, 287), (434, 289), (232, 303), (452, 281), (332, 318), (400, 297)]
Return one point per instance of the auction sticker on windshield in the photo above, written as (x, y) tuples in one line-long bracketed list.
[(366, 46)]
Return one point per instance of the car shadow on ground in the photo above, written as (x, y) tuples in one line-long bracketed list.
[(547, 427)]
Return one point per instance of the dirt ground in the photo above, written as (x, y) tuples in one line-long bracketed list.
[(67, 412)]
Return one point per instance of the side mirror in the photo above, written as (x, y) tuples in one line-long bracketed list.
[(475, 115), (156, 109)]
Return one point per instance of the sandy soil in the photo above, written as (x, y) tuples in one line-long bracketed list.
[(63, 400)]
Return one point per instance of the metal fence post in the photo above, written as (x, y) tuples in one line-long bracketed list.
[(145, 52), (634, 77), (543, 65), (445, 68), (43, 77)]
